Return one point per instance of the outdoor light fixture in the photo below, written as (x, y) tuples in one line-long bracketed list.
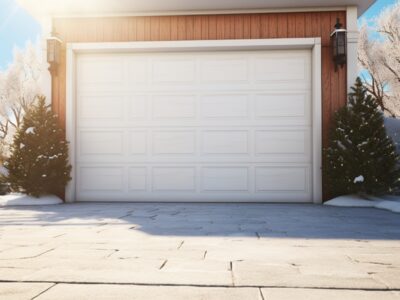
[(53, 52), (339, 41)]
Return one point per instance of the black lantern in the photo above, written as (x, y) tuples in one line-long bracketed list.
[(339, 45), (53, 52)]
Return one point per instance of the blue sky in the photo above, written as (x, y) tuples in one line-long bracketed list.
[(376, 8), (17, 26)]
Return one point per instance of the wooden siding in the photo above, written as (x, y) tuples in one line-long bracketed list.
[(209, 27)]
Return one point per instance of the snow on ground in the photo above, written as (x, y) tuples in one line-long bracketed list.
[(22, 199), (391, 203)]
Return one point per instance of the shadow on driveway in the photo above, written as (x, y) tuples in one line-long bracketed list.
[(205, 219)]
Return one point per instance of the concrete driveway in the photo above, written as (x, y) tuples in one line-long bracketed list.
[(198, 251)]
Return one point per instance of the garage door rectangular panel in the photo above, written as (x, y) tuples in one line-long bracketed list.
[(137, 178), (137, 107), (184, 70), (97, 108), (223, 70), (174, 106), (224, 106), (100, 69), (101, 142), (174, 179), (225, 179), (138, 142), (101, 178), (174, 142), (281, 105), (225, 142), (281, 68), (137, 71), (283, 141), (282, 179)]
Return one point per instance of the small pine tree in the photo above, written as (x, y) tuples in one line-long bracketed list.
[(361, 158), (38, 164)]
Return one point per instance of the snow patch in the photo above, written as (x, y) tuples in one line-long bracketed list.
[(391, 203), (30, 130), (22, 199), (3, 170), (350, 201), (359, 179)]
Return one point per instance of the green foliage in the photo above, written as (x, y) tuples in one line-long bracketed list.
[(361, 158), (38, 163)]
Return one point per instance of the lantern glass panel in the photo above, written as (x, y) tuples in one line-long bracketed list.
[(342, 43), (335, 45)]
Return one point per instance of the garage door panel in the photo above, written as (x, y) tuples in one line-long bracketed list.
[(137, 107), (282, 179), (282, 105), (137, 70), (138, 142), (138, 178), (173, 106), (215, 71), (184, 70), (267, 68), (174, 179), (283, 142), (225, 179), (96, 108), (105, 178), (224, 106), (101, 142), (206, 126), (225, 142), (250, 144), (100, 69), (174, 142)]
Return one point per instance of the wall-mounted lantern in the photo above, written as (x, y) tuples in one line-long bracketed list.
[(53, 52), (339, 45)]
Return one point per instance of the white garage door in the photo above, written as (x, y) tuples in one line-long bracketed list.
[(194, 126)]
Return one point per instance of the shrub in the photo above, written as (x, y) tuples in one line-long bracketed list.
[(361, 158), (38, 162)]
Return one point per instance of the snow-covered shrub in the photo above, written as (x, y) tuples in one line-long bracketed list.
[(38, 164), (361, 158)]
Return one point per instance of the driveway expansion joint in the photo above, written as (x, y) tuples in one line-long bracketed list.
[(204, 285), (44, 291)]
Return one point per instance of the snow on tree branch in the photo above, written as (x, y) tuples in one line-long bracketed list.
[(19, 86), (381, 58)]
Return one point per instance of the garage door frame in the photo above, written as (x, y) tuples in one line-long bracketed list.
[(314, 44)]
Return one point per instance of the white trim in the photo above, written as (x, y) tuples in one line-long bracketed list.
[(352, 45), (211, 45), (201, 12), (70, 113), (317, 122), (206, 45)]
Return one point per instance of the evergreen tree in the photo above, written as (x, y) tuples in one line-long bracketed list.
[(38, 164), (361, 158)]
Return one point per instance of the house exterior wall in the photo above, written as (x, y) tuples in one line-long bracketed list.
[(209, 27)]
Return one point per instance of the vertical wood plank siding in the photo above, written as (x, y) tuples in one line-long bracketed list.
[(209, 27)]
